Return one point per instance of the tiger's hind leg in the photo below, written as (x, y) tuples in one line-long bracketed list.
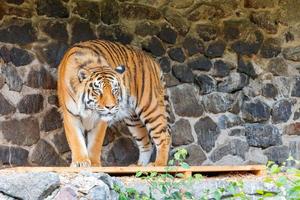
[(140, 134)]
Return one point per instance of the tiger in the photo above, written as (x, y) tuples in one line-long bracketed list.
[(102, 82)]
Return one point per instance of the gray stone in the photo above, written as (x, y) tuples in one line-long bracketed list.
[(218, 102), (256, 156), (255, 111), (265, 20), (246, 66), (195, 156), (52, 120), (271, 47), (21, 132), (10, 155), (66, 192), (91, 12), (234, 147), (167, 34), (230, 160), (206, 83), (206, 11), (13, 80), (215, 49), (145, 28), (170, 80), (260, 135), (154, 46), (237, 132), (199, 63), (183, 73), (165, 64), (56, 30), (53, 53), (185, 101), (297, 114), (53, 100), (109, 11), (2, 81), (52, 8), (43, 154), (193, 45), (18, 57), (234, 82), (232, 29), (296, 88), (99, 192), (60, 142), (207, 32), (278, 67), (260, 3), (32, 103), (181, 133), (292, 129), (292, 53), (281, 111), (249, 43), (221, 68), (41, 79), (36, 185), (124, 152), (176, 20), (6, 107), (283, 84), (229, 120), (278, 154), (176, 54), (207, 132), (116, 33), (289, 11), (139, 11), (269, 90), (181, 4), (81, 31)]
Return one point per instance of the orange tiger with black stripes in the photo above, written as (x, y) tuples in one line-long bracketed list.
[(101, 82)]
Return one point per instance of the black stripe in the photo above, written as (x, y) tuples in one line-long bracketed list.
[(70, 112), (153, 128), (151, 111), (82, 65), (139, 139), (153, 119)]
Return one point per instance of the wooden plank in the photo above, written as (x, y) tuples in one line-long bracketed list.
[(257, 169)]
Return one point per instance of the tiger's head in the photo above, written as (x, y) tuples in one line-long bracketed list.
[(102, 90)]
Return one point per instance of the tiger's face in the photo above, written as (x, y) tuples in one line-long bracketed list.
[(103, 92)]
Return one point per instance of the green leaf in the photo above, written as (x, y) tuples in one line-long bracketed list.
[(184, 165), (198, 176), (269, 194), (179, 175), (260, 192), (275, 169), (139, 174)]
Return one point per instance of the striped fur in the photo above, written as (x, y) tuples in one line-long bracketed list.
[(100, 82)]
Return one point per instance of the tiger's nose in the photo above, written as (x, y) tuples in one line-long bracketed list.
[(109, 107)]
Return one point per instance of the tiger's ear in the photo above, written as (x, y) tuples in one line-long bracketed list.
[(120, 69), (83, 74)]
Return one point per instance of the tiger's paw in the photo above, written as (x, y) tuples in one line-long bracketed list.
[(85, 163)]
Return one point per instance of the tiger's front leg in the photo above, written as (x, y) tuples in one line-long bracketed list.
[(73, 130), (95, 141)]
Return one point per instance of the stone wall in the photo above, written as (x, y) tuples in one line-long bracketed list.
[(231, 68)]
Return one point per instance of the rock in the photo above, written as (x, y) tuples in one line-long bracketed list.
[(238, 132), (269, 90), (6, 107), (185, 102), (249, 44), (123, 153), (109, 136), (271, 47), (296, 88), (154, 46), (10, 155), (21, 132), (37, 185), (56, 30), (91, 12), (145, 28), (215, 49), (195, 156), (2, 81), (283, 84), (199, 63), (17, 2), (256, 156), (181, 133), (207, 32), (234, 82), (53, 100), (230, 160), (170, 80), (218, 102), (193, 45), (292, 53), (278, 154), (13, 80), (60, 142), (289, 37), (207, 132), (281, 111), (53, 53), (109, 12), (229, 120), (232, 29), (18, 34), (234, 147), (167, 34), (81, 31), (255, 111), (297, 114), (206, 11), (176, 20), (181, 4), (292, 129), (265, 20), (117, 33), (41, 79), (221, 69), (52, 8), (52, 120), (289, 11), (260, 3), (165, 64), (245, 66), (261, 135), (99, 193), (205, 83), (43, 154), (176, 54), (32, 103), (18, 57), (139, 11), (66, 192), (183, 73), (278, 67)]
